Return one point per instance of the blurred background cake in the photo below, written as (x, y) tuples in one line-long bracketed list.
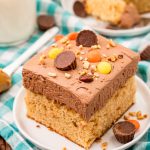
[(142, 5), (123, 13)]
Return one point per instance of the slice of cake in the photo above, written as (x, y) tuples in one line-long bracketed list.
[(116, 12), (80, 86)]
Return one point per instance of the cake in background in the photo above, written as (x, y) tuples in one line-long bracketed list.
[(114, 11), (121, 13)]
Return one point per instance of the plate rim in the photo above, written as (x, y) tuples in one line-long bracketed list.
[(124, 33), (42, 146)]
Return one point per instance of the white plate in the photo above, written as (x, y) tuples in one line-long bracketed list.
[(100, 26), (46, 139)]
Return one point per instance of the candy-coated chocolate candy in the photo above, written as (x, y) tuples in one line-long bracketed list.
[(58, 37), (104, 67), (54, 52), (72, 36), (94, 56)]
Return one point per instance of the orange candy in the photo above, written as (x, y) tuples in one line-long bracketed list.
[(72, 36), (135, 123), (58, 37), (94, 56)]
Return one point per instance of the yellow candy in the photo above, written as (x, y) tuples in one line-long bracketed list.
[(54, 52), (104, 67)]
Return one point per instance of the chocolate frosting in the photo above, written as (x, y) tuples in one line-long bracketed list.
[(84, 98)]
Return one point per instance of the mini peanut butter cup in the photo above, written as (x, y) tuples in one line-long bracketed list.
[(79, 9), (65, 61), (145, 54), (124, 131), (45, 22), (86, 38)]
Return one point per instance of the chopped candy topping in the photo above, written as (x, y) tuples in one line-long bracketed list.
[(67, 75), (112, 58), (112, 43), (104, 67), (96, 47), (51, 74), (64, 40), (86, 65)]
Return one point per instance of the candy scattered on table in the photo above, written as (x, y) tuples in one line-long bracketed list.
[(145, 54), (45, 22)]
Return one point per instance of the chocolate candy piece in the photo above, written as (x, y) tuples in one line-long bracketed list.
[(86, 38), (65, 61), (45, 22), (79, 9), (124, 131), (4, 145), (145, 54), (86, 78)]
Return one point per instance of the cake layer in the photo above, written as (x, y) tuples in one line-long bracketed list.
[(84, 98), (106, 10), (70, 124)]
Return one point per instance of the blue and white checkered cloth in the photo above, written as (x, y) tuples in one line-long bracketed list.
[(67, 23)]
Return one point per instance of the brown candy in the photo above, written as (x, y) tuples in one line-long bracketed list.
[(65, 61), (86, 38), (86, 78), (145, 54), (45, 22), (79, 9), (4, 145), (124, 131)]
